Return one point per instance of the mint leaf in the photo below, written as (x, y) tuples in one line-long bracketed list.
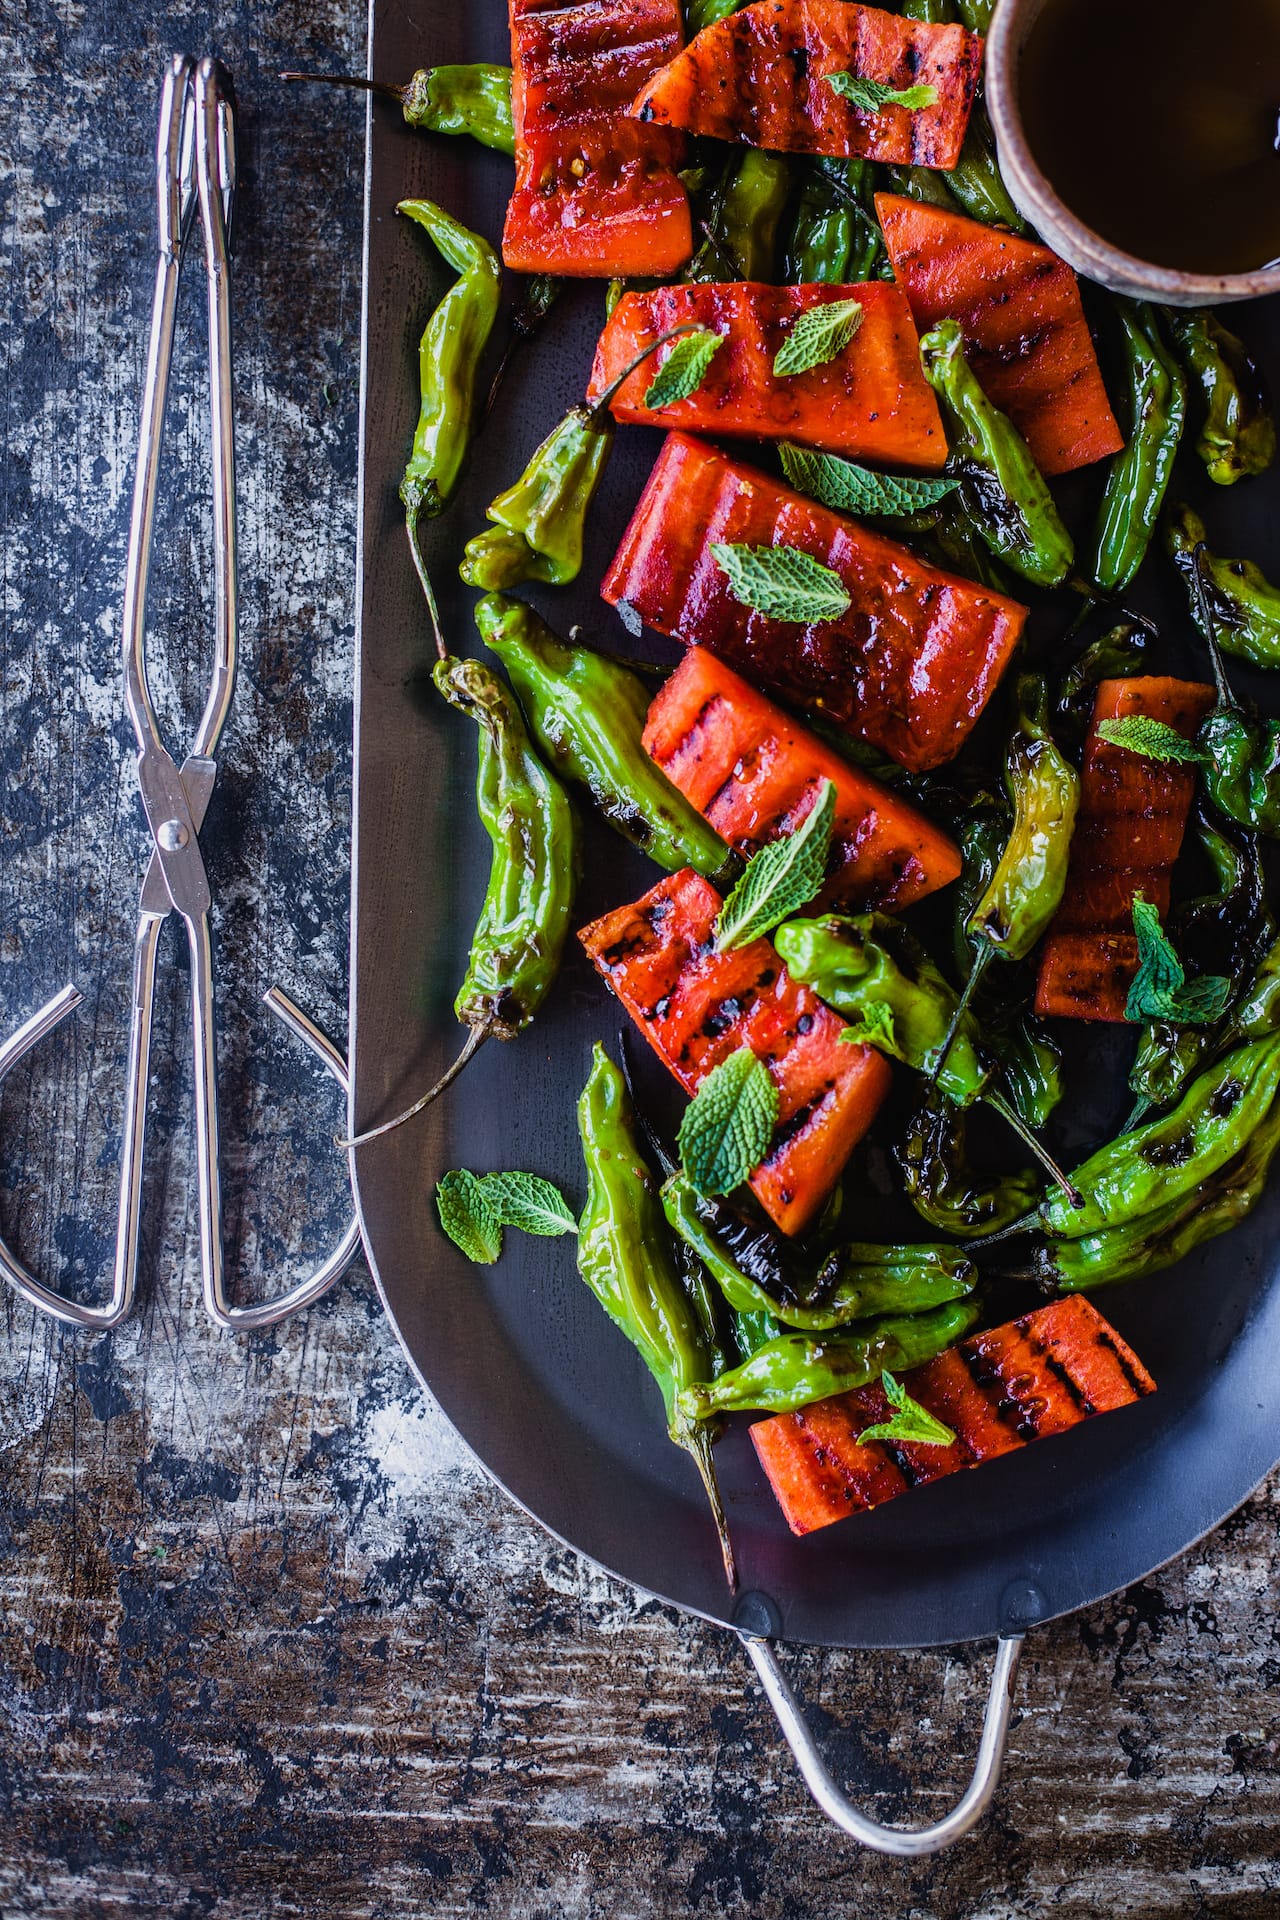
[(875, 1029), (819, 335), (783, 582), (848, 488), (910, 1420), (873, 95), (1139, 733), (728, 1124), (684, 369), (780, 879), (1160, 990), (467, 1216), (524, 1200)]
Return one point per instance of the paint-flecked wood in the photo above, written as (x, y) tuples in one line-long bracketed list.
[(268, 1639)]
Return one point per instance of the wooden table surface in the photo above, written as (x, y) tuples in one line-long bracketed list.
[(268, 1639)]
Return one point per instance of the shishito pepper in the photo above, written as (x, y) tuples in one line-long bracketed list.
[(947, 1194), (835, 237), (1237, 431), (448, 360), (859, 1281), (1138, 478), (587, 713), (535, 859), (1153, 1194), (540, 522), (1228, 931), (870, 970), (1027, 884), (625, 1257), (1243, 604), (1001, 487), (474, 99), (796, 1369)]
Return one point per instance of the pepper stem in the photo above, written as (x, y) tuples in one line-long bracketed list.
[(475, 1040), (718, 246), (1014, 1119), (698, 1445), (979, 967), (1027, 1224), (383, 87), (615, 386), (413, 508), (1138, 1113), (1208, 624)]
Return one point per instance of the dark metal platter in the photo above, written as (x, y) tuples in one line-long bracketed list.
[(538, 1382)]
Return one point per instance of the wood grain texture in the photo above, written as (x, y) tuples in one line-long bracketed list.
[(269, 1641)]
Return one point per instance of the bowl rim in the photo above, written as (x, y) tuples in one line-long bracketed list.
[(1037, 198)]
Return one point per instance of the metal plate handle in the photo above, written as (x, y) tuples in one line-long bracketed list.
[(908, 1843)]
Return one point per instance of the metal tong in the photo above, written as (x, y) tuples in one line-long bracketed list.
[(196, 167)]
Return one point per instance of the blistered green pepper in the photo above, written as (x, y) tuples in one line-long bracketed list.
[(941, 1186), (625, 1257), (536, 857), (473, 100), (976, 14), (798, 1368), (835, 237), (869, 969), (1237, 431), (1152, 1195), (448, 359), (1243, 604), (534, 866), (858, 1281), (704, 13), (1025, 890), (540, 523), (1138, 477), (1227, 931), (976, 181), (751, 214), (1117, 654), (587, 714), (1000, 484)]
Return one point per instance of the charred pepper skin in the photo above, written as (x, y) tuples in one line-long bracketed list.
[(448, 360), (473, 99), (835, 238), (1138, 478), (535, 862), (1243, 603), (587, 714), (1026, 888), (540, 522), (1237, 437), (1001, 487), (625, 1257), (945, 1192), (1154, 1194), (858, 1281), (798, 1368), (1118, 654)]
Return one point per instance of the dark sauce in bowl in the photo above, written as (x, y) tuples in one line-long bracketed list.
[(1157, 122)]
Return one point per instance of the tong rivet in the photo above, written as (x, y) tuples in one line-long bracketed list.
[(172, 835)]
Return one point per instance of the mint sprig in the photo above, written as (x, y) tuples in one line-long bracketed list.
[(818, 336), (875, 1028), (684, 369), (848, 488), (1140, 733), (1160, 990), (784, 582), (874, 95), (474, 1209), (728, 1124), (910, 1420), (780, 879)]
